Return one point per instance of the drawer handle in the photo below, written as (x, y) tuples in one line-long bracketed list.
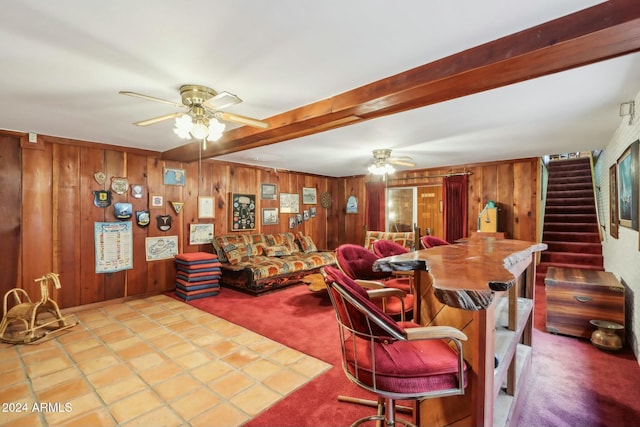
[(581, 298)]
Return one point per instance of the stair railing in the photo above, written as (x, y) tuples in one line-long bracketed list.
[(595, 196)]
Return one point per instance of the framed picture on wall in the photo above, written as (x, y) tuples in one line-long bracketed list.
[(173, 176), (309, 196), (205, 207), (268, 191), (269, 216), (627, 182), (289, 203), (613, 202), (243, 211)]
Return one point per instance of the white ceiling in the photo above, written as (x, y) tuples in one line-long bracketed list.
[(63, 63)]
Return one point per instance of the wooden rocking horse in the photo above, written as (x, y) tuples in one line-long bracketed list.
[(27, 313)]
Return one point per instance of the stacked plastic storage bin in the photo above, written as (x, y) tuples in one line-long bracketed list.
[(198, 275)]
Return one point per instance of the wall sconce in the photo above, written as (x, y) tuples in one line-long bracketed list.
[(628, 109)]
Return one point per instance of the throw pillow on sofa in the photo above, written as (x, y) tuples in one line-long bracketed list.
[(283, 239), (307, 244), (235, 252), (277, 250)]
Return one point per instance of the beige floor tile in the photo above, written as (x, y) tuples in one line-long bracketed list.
[(240, 358), (22, 419), (54, 378), (264, 346), (255, 399), (74, 347), (310, 367), (179, 349), (14, 376), (211, 371), (153, 361), (72, 408), (110, 375), (261, 369), (222, 348), (286, 356), (160, 373), (165, 341), (284, 382), (194, 404), (74, 335), (134, 406), (146, 361), (231, 384), (193, 359), (136, 350), (65, 392), (116, 335), (223, 415), (160, 417), (94, 365), (99, 417), (47, 366), (168, 320), (112, 392), (91, 353), (177, 386)]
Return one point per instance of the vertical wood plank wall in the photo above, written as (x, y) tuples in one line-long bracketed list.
[(48, 211)]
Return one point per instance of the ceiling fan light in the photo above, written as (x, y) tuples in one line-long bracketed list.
[(384, 169), (199, 130), (216, 129), (183, 125)]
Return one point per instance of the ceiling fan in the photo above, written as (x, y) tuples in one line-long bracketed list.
[(383, 162), (203, 116)]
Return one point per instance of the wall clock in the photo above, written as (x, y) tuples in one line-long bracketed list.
[(325, 199)]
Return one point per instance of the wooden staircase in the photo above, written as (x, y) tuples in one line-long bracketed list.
[(570, 226)]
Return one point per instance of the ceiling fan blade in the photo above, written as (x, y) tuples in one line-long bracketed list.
[(230, 117), (402, 161), (150, 98), (157, 119), (222, 100)]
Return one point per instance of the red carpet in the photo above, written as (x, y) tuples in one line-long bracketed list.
[(573, 383)]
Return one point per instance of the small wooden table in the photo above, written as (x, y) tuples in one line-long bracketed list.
[(575, 296)]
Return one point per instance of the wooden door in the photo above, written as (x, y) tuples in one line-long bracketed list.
[(430, 215)]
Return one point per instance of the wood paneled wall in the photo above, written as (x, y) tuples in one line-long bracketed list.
[(48, 211), (512, 184), (49, 214)]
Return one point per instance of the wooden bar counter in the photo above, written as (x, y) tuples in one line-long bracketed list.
[(484, 287)]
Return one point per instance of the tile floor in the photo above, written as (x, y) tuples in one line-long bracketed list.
[(153, 361)]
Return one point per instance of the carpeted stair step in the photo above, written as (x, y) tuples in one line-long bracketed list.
[(585, 227), (570, 218), (572, 258), (564, 236), (580, 179), (574, 247), (572, 175), (572, 201), (570, 194), (564, 186), (561, 209)]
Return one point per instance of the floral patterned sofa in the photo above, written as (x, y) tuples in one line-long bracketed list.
[(257, 263)]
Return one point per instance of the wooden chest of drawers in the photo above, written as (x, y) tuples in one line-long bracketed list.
[(576, 296)]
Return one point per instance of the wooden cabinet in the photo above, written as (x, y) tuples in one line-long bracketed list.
[(576, 296)]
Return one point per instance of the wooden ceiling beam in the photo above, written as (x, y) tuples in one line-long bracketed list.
[(602, 32)]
